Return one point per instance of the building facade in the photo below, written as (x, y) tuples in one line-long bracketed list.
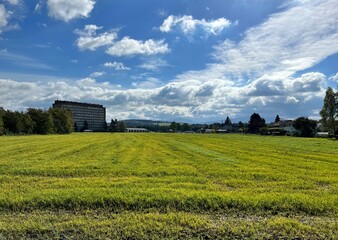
[(86, 116), (136, 130)]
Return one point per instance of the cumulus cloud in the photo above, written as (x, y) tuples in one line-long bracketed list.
[(131, 47), (189, 100), (89, 39), (67, 10), (188, 24), (116, 65)]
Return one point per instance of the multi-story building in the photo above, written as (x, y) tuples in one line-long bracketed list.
[(86, 116)]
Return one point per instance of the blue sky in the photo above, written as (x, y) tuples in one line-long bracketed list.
[(182, 60)]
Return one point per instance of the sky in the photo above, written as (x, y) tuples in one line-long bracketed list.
[(194, 61)]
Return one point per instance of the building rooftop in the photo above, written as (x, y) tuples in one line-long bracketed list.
[(78, 103)]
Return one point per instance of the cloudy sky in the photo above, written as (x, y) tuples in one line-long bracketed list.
[(182, 60)]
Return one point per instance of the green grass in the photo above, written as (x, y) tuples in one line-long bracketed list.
[(168, 186)]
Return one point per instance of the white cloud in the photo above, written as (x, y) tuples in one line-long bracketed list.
[(90, 40), (154, 64), (130, 47), (38, 7), (4, 17), (116, 65), (188, 24), (188, 100), (150, 83), (66, 10), (13, 2), (97, 74), (334, 78), (286, 43)]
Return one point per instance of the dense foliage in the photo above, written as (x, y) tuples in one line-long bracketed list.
[(62, 119), (329, 112), (36, 121), (305, 126), (256, 123)]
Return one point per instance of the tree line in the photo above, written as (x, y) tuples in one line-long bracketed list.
[(305, 127), (36, 121)]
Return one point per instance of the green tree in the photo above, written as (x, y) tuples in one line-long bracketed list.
[(185, 127), (305, 126), (277, 119), (43, 122), (256, 123), (121, 126), (85, 125), (178, 127), (173, 126), (227, 122), (113, 125), (10, 120), (26, 123), (2, 129), (329, 111), (62, 119)]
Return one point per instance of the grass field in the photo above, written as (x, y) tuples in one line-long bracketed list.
[(156, 186)]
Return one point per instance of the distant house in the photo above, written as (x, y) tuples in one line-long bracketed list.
[(286, 125), (222, 130), (208, 130), (136, 130), (322, 134)]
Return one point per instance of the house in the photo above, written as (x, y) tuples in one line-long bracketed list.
[(208, 130), (322, 134), (136, 130), (222, 130), (286, 125)]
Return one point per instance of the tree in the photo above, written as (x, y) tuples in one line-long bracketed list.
[(178, 127), (227, 121), (329, 111), (11, 122), (277, 119), (26, 124), (113, 125), (173, 126), (121, 126), (255, 123), (85, 125), (2, 129), (43, 122), (62, 119), (305, 126), (185, 127)]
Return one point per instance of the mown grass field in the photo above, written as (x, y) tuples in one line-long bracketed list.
[(157, 186)]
